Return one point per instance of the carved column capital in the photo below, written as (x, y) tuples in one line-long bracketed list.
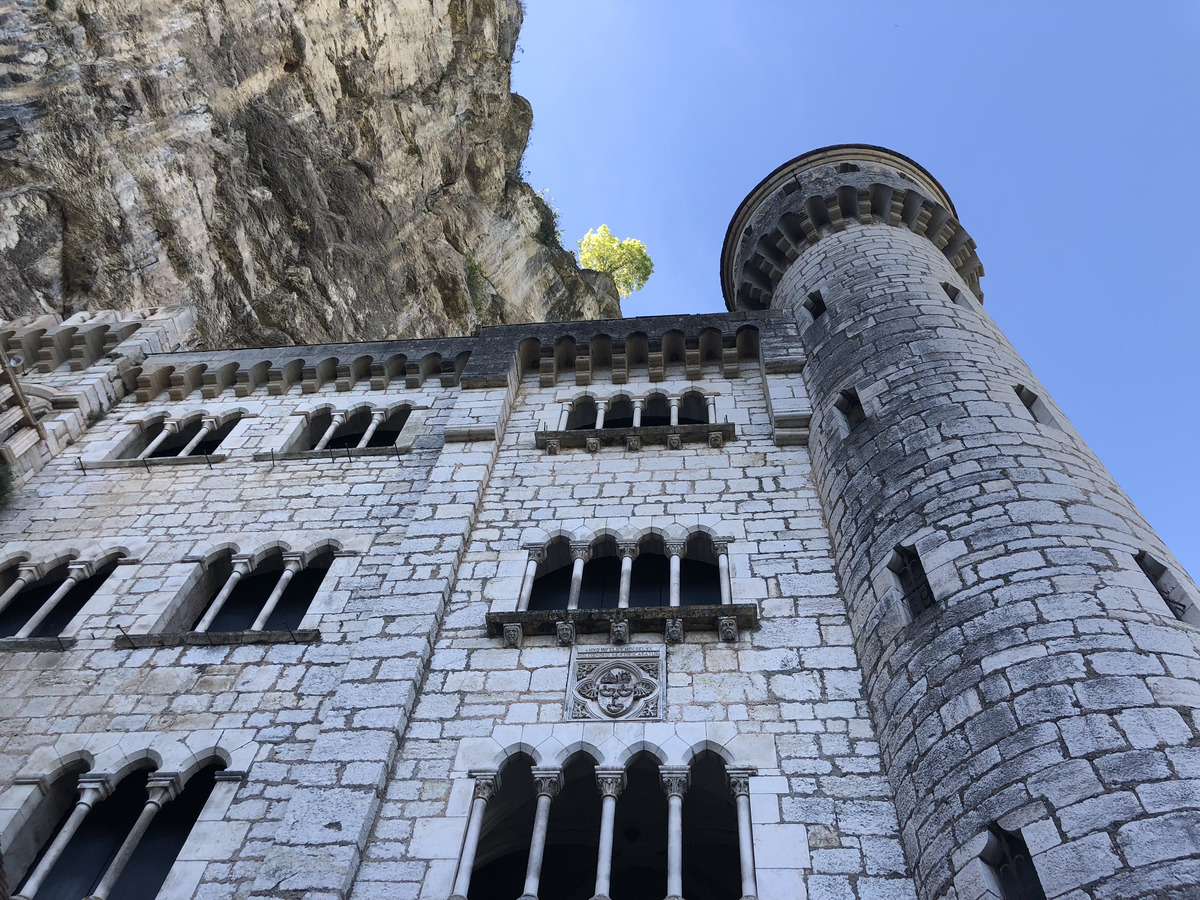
[(547, 781), (486, 786), (610, 781), (627, 549), (721, 548), (675, 780), (581, 551), (675, 549), (739, 781)]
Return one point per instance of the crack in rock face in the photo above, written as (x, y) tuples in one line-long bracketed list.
[(311, 172)]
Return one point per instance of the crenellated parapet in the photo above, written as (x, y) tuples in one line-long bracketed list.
[(818, 194)]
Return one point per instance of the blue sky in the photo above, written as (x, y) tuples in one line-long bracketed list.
[(1067, 134)]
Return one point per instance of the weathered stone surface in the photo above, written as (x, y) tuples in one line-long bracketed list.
[(300, 172)]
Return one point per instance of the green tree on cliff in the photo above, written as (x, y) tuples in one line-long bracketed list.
[(626, 261)]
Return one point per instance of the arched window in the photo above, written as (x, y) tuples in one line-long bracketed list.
[(639, 855), (657, 411), (620, 413), (711, 866), (388, 431), (692, 409), (274, 596), (44, 608), (147, 433), (634, 834), (583, 414), (699, 575), (503, 853), (650, 582), (83, 854), (351, 431), (601, 576), (30, 843), (552, 583), (573, 835)]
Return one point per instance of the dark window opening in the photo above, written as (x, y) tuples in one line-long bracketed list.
[(1032, 402), (1009, 858), (157, 850), (699, 576), (583, 415), (350, 432), (845, 168), (552, 584), (620, 413), (573, 837), (246, 602), (213, 439), (299, 594), (815, 305), (954, 294), (914, 586), (711, 864), (88, 853), (146, 434), (28, 603), (851, 408), (650, 578), (1165, 583), (315, 430), (656, 411), (503, 852), (177, 441), (692, 409), (601, 577), (639, 860), (252, 591), (47, 820)]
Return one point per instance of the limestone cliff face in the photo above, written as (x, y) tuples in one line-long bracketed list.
[(299, 170)]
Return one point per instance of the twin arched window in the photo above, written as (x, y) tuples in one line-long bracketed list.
[(196, 435), (622, 411), (92, 838), (638, 833), (237, 594), (611, 575), (357, 429), (40, 604)]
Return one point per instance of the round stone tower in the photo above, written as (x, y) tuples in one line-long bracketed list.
[(1026, 640)]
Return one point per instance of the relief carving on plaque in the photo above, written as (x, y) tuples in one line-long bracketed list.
[(617, 684)]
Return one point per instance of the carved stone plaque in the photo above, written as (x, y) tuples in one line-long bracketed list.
[(617, 683)]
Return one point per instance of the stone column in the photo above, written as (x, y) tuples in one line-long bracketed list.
[(293, 563), (207, 427), (739, 784), (564, 415), (637, 412), (601, 409), (26, 575), (712, 409), (485, 789), (535, 559), (675, 783), (547, 783), (675, 551), (338, 419), (628, 553), (721, 548), (673, 402), (89, 795), (161, 790), (169, 429), (76, 572), (580, 555), (377, 416), (241, 568), (611, 782)]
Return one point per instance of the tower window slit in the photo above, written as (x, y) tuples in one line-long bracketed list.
[(815, 305), (1010, 861), (915, 591), (851, 408)]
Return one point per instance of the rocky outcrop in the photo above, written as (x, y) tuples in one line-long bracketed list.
[(299, 170)]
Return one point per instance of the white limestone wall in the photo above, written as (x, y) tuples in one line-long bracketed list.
[(785, 699), (264, 708)]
